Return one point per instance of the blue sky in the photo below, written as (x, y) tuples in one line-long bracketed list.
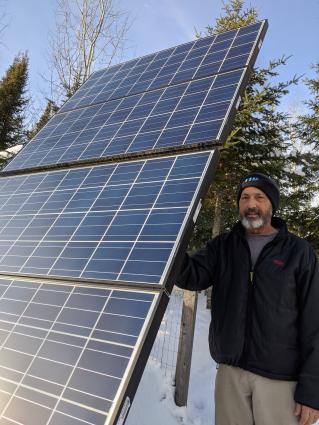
[(158, 24)]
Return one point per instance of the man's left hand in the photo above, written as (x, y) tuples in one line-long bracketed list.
[(308, 416)]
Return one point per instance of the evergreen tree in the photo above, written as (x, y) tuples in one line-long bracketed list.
[(259, 141), (309, 123), (50, 110), (235, 17), (305, 221), (13, 102)]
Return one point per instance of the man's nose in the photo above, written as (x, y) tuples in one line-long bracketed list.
[(251, 203)]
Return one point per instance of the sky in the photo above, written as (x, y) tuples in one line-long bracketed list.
[(159, 24)]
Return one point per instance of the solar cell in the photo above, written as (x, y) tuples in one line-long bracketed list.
[(115, 222), (178, 97), (67, 350)]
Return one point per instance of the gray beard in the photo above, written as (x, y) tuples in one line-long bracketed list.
[(252, 224)]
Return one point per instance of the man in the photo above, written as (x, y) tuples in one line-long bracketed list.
[(264, 331)]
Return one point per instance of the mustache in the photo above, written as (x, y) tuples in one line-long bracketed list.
[(252, 211)]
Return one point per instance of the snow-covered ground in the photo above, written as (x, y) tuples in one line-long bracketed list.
[(154, 400)]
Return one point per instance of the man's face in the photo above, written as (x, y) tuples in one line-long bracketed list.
[(255, 208)]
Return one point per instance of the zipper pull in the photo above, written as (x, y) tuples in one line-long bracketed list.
[(252, 278)]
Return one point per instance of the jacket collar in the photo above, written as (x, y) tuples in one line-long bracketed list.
[(276, 222)]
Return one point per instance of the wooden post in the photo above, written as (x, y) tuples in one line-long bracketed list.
[(184, 356)]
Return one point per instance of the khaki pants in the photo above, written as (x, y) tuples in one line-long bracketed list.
[(243, 398)]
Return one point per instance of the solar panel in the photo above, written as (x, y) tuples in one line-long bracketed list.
[(199, 58), (100, 222), (112, 128), (178, 97), (66, 350)]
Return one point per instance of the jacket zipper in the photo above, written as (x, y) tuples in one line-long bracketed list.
[(244, 353), (250, 302)]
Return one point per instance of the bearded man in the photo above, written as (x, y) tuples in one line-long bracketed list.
[(264, 332)]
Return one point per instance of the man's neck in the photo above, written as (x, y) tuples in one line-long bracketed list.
[(264, 230)]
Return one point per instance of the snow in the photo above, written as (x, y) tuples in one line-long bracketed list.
[(7, 153), (154, 401)]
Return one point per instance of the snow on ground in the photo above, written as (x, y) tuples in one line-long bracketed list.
[(154, 400)]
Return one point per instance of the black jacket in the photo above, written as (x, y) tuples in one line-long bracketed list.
[(265, 320)]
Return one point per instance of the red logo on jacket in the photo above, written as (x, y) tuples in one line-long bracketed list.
[(279, 263)]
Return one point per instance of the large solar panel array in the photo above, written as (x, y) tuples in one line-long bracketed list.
[(95, 213), (177, 97)]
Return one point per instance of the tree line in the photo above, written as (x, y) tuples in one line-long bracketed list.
[(91, 34)]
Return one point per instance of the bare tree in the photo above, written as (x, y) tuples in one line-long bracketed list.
[(88, 33), (3, 19), (2, 25)]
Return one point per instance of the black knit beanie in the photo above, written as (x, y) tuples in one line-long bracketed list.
[(264, 183)]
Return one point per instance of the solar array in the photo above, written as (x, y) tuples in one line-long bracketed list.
[(177, 97), (95, 213)]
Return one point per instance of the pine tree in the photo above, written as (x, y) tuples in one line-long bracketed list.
[(260, 140), (235, 17), (48, 112), (309, 123), (13, 102), (305, 221)]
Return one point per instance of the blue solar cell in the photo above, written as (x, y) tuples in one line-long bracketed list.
[(234, 62), (203, 131)]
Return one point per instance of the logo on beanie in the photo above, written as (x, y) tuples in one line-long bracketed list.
[(251, 179)]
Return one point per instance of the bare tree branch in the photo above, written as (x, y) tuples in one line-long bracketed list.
[(88, 34), (3, 19)]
